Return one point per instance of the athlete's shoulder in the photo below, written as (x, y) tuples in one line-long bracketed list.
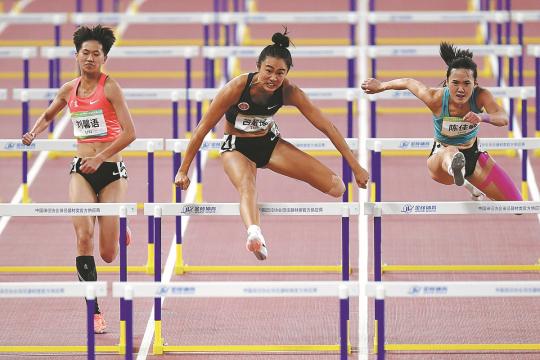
[(66, 89)]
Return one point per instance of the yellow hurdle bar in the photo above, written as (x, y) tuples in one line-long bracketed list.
[(462, 347), (67, 269), (57, 349), (251, 348), (459, 268), (259, 269)]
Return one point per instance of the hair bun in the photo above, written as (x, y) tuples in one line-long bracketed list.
[(280, 39)]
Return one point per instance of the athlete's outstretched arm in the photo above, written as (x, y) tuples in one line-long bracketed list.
[(429, 96), (224, 99), (59, 102), (295, 96)]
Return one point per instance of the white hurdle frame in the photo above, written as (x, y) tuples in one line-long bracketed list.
[(34, 290), (378, 209), (157, 290), (233, 209), (85, 209), (70, 145)]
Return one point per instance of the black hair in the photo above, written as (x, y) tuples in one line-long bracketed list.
[(278, 49), (457, 59), (102, 34)]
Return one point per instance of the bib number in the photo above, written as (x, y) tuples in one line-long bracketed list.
[(89, 124), (454, 126)]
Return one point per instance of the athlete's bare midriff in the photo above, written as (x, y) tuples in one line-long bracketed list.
[(463, 146), (92, 149)]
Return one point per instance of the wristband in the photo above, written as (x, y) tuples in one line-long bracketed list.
[(485, 118)]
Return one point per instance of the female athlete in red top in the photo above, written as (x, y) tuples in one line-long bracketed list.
[(103, 127)]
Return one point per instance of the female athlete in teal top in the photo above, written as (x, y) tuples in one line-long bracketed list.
[(456, 109)]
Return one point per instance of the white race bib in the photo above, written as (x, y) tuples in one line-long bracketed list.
[(89, 124), (252, 123), (455, 126)]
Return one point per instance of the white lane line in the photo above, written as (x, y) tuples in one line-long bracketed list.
[(363, 233)]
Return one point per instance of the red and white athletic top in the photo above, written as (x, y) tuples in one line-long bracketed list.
[(93, 117)]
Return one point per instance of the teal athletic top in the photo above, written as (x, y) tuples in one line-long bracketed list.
[(452, 130)]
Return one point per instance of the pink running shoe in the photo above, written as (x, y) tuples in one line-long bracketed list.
[(99, 324)]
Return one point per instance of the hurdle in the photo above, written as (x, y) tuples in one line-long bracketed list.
[(70, 146), (232, 209), (334, 289), (447, 289), (227, 209), (57, 290), (24, 53), (508, 92), (82, 209), (378, 209), (186, 52), (425, 144)]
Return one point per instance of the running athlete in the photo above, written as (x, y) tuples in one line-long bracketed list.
[(103, 127), (252, 139), (458, 108)]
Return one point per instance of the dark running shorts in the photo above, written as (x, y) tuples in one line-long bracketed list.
[(471, 155), (257, 149), (104, 175)]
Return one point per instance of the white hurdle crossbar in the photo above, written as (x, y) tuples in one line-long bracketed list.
[(89, 290)]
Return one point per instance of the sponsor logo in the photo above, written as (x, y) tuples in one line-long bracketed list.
[(198, 209), (271, 107), (418, 209), (427, 290), (176, 290), (115, 173), (92, 102), (407, 208), (414, 290), (243, 106)]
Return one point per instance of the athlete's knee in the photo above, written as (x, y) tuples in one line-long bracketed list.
[(338, 187), (107, 255), (84, 237)]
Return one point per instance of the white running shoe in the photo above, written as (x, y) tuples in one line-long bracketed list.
[(480, 196), (255, 243), (457, 168), (476, 195)]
